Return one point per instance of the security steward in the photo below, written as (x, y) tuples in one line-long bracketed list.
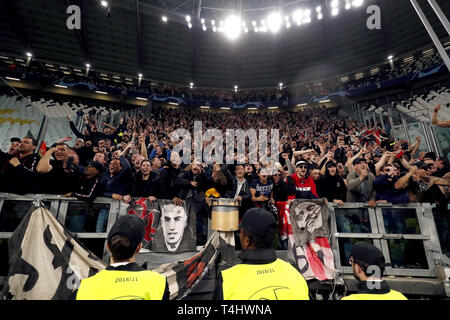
[(371, 286), (260, 276), (124, 279)]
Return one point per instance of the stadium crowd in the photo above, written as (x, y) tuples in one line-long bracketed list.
[(320, 156)]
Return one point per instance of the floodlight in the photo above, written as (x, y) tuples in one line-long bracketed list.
[(202, 20), (297, 16), (88, 65), (357, 3), (307, 16), (29, 54), (334, 11), (189, 25), (390, 57), (188, 18), (204, 27), (334, 3), (104, 3), (164, 18), (232, 27), (213, 22), (348, 5), (274, 22)]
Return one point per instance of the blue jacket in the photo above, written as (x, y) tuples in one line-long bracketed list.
[(121, 183), (385, 190)]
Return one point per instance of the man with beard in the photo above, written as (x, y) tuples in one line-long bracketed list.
[(21, 171), (5, 157), (167, 188), (368, 265), (301, 186), (57, 176), (144, 185), (360, 183), (331, 185)]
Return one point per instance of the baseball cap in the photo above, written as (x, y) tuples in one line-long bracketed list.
[(358, 160), (367, 254), (259, 222), (130, 226), (330, 164), (15, 139), (300, 163)]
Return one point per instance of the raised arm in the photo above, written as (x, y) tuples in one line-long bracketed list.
[(436, 122), (44, 165)]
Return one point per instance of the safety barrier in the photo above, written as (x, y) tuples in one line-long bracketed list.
[(406, 234)]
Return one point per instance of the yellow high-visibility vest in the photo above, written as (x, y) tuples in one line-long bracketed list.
[(277, 280), (123, 285), (391, 295)]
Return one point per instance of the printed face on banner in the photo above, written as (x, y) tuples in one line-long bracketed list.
[(173, 221), (307, 217)]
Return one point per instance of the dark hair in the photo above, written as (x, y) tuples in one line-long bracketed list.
[(264, 242), (430, 155), (364, 267), (33, 141), (121, 248)]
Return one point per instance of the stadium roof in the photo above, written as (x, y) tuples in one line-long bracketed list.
[(129, 37)]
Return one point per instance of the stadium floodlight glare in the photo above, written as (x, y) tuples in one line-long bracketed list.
[(140, 98), (286, 18), (174, 103), (190, 25), (88, 65), (297, 16), (164, 18), (246, 30), (272, 108), (232, 27), (14, 79), (204, 27), (334, 3), (348, 5), (280, 84), (214, 29), (256, 29), (188, 18), (29, 54), (60, 86), (302, 104), (307, 16), (357, 3), (101, 92), (319, 16), (324, 101), (334, 11), (225, 108), (213, 22), (254, 23), (202, 21), (274, 22), (204, 107), (235, 87), (104, 3), (263, 29), (390, 57), (288, 25), (253, 108), (318, 9)]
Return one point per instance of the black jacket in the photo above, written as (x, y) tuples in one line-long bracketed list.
[(20, 179), (165, 188), (331, 187), (89, 189)]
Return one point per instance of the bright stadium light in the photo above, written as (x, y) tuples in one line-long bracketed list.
[(204, 27), (335, 7), (104, 3), (390, 57), (213, 22), (297, 16), (348, 5), (232, 27), (357, 3), (288, 25), (202, 21), (29, 54), (274, 22), (214, 29), (190, 25), (164, 18), (88, 65), (188, 18), (254, 23), (307, 16)]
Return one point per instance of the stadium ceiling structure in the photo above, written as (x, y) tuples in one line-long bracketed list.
[(215, 43)]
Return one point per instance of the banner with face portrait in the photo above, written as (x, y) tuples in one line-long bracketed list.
[(307, 227), (168, 227)]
